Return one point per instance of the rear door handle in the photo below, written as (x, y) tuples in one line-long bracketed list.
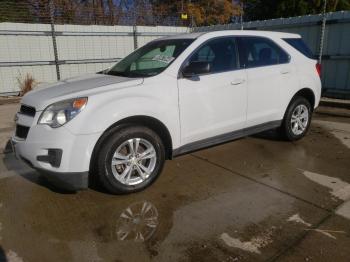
[(237, 81)]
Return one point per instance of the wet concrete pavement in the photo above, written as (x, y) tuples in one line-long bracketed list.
[(255, 199)]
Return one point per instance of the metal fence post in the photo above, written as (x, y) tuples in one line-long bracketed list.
[(134, 33), (53, 35), (323, 28), (241, 15)]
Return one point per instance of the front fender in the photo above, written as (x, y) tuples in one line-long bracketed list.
[(104, 110)]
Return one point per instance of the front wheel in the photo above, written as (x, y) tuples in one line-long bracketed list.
[(297, 119), (130, 159)]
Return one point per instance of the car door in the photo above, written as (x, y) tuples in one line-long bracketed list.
[(268, 72), (213, 103)]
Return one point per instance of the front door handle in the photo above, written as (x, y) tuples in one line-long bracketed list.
[(237, 81), (285, 71)]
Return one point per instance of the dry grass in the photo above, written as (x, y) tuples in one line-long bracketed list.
[(26, 84)]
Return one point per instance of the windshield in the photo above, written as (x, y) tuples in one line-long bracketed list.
[(150, 59)]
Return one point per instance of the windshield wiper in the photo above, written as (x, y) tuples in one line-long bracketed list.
[(116, 73), (133, 74), (125, 74)]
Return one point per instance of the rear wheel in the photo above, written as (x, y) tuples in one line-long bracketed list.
[(297, 119), (130, 160)]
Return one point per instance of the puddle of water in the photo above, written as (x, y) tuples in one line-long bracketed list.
[(343, 137), (12, 256), (90, 252), (344, 210), (252, 246), (236, 243), (339, 130), (0, 224), (339, 188), (325, 233), (137, 222), (297, 219)]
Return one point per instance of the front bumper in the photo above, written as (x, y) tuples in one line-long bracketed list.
[(68, 181), (71, 171)]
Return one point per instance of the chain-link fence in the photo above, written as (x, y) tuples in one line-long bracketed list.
[(58, 39), (89, 12)]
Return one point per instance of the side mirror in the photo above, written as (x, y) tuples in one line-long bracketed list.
[(196, 68)]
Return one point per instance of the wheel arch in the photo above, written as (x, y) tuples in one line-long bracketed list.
[(305, 92), (152, 123), (308, 94)]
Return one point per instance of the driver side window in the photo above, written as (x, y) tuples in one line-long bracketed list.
[(220, 53)]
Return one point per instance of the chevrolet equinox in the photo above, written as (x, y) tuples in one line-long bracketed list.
[(172, 96)]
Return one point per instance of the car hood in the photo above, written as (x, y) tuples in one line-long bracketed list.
[(47, 94)]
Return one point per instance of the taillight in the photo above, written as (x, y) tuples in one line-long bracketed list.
[(318, 69)]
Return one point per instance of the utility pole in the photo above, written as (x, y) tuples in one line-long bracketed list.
[(323, 28)]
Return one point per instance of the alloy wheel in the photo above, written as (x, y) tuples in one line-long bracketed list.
[(134, 161), (299, 120)]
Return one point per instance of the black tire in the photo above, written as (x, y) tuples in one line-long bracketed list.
[(109, 147), (286, 127)]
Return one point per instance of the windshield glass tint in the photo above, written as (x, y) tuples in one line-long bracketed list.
[(150, 59)]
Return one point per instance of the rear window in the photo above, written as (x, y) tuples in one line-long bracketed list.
[(299, 45), (259, 51)]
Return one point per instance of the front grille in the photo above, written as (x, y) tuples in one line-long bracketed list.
[(22, 131), (27, 110)]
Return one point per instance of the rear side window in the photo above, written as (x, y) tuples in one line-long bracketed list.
[(260, 51), (220, 53), (299, 45)]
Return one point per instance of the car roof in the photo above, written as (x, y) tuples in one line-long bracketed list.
[(183, 36), (233, 32)]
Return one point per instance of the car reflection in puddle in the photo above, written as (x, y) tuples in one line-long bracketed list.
[(138, 222)]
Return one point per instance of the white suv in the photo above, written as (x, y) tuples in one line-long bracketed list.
[(170, 97)]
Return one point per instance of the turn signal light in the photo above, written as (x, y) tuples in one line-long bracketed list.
[(79, 103)]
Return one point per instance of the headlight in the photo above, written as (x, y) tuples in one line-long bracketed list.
[(59, 113)]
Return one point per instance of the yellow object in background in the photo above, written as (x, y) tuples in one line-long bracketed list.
[(184, 16)]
